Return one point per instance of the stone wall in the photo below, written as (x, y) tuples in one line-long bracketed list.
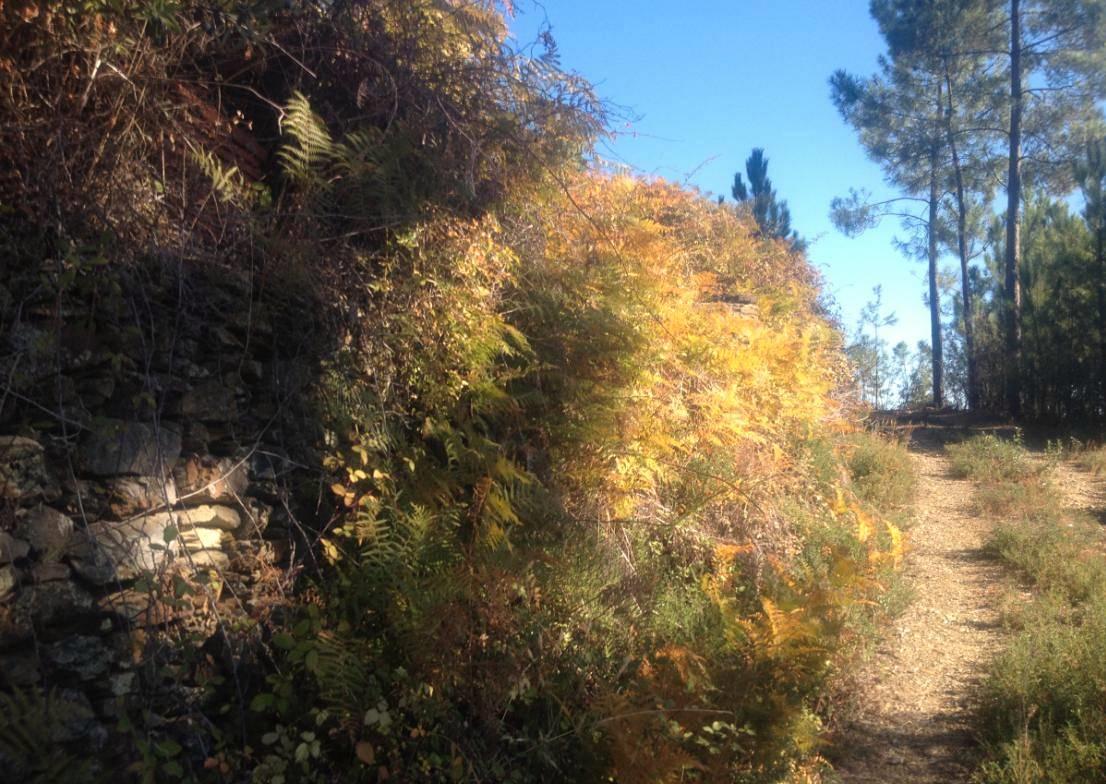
[(145, 509)]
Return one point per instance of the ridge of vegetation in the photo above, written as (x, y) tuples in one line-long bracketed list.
[(569, 513)]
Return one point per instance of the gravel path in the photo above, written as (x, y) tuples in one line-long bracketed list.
[(913, 719)]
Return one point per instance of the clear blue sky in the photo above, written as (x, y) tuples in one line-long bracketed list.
[(709, 80)]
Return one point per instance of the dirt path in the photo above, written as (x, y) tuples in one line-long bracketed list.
[(913, 722), (1082, 489)]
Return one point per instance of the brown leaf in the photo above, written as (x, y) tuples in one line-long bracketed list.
[(365, 752)]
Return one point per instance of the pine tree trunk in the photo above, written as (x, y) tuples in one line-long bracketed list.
[(1012, 278), (934, 299), (1100, 259), (962, 251)]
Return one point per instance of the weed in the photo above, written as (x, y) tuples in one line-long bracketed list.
[(882, 472), (989, 459)]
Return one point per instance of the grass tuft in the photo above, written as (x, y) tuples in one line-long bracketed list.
[(990, 460), (882, 471)]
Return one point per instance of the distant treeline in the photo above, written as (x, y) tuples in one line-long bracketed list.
[(986, 120)]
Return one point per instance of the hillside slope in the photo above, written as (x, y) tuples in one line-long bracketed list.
[(360, 426)]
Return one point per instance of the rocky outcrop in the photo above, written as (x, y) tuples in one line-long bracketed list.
[(141, 518)]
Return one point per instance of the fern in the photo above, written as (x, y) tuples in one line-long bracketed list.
[(30, 720)]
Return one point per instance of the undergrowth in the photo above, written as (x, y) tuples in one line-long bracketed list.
[(574, 516), (882, 471), (1042, 712), (988, 459)]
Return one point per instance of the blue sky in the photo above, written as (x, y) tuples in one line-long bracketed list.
[(708, 80)]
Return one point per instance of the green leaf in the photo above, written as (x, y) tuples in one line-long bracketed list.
[(284, 641)]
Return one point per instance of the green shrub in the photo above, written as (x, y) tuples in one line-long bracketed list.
[(1057, 556), (989, 459), (1044, 707), (1028, 499), (882, 471)]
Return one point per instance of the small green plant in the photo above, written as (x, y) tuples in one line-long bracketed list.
[(989, 459), (1031, 498), (1043, 707), (882, 472)]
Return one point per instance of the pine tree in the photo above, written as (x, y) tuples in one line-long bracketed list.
[(771, 214)]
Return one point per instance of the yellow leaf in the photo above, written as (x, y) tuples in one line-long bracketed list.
[(896, 542), (863, 525)]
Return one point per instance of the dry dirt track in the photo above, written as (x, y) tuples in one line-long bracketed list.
[(913, 717), (913, 723)]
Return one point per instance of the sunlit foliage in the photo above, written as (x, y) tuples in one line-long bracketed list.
[(581, 506)]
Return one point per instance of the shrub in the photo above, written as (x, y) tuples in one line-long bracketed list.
[(1043, 710), (1029, 498), (882, 471), (990, 459)]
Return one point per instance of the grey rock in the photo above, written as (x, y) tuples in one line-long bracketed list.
[(48, 572), (130, 496), (122, 683), (12, 549), (211, 480), (108, 552), (23, 472), (194, 539), (82, 655), (209, 559), (117, 448), (52, 604), (210, 516), (9, 578), (121, 551), (48, 531), (210, 401), (129, 604)]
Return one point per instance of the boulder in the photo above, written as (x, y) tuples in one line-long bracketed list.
[(211, 480), (210, 401), (210, 516), (209, 559), (131, 605), (133, 495), (48, 572), (117, 447), (12, 549), (107, 552), (48, 532), (81, 655), (52, 604), (23, 472), (9, 578)]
